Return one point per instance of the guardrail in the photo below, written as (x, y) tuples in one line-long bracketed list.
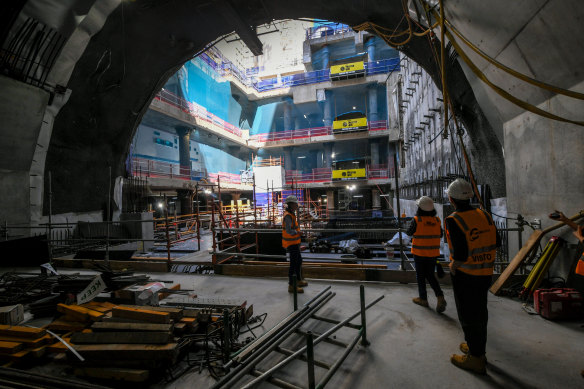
[(324, 175), (197, 111), (325, 30), (144, 167), (377, 125)]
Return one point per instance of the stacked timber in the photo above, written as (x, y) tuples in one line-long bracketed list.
[(18, 344), (120, 342)]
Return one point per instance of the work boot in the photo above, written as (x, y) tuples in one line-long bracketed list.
[(298, 289), (302, 283), (419, 301), (441, 304), (463, 347), (470, 363)]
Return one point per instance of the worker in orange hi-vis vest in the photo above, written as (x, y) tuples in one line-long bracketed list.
[(473, 241), (426, 231), (291, 242)]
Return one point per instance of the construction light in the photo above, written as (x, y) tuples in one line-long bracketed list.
[(302, 156), (207, 191), (354, 107), (160, 205), (304, 116)]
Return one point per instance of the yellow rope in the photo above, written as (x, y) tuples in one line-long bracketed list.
[(521, 76)]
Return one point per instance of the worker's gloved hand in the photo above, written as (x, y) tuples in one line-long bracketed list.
[(453, 266), (557, 215)]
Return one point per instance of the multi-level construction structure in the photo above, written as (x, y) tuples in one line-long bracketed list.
[(319, 103)]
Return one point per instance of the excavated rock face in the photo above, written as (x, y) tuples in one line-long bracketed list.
[(142, 44)]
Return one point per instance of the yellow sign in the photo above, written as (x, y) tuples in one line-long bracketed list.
[(347, 68), (350, 125), (349, 174)]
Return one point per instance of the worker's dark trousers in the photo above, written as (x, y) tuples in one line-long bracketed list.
[(470, 295), (295, 263), (425, 271)]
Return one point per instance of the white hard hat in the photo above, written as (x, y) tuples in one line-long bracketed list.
[(425, 203), (291, 199), (460, 189)]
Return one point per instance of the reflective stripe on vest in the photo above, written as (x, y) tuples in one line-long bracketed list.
[(426, 239), (481, 240), (288, 239)]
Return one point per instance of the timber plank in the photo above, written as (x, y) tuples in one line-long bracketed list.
[(519, 258), (10, 347), (175, 313), (141, 314), (63, 325), (128, 351), (116, 337), (79, 313), (111, 326), (112, 373), (28, 343), (22, 332)]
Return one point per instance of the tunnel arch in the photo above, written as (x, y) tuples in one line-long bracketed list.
[(143, 43)]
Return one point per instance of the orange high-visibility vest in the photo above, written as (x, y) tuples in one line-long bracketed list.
[(580, 266), (426, 239), (481, 239), (288, 239)]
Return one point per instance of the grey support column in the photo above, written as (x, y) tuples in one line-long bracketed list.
[(330, 199), (184, 198), (328, 114), (288, 162), (328, 151), (370, 45), (372, 109), (326, 57), (374, 152), (184, 149), (375, 199), (288, 117)]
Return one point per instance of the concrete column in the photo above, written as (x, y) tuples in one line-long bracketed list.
[(375, 199), (374, 152), (319, 158), (330, 199), (298, 163), (372, 109), (288, 118), (326, 57), (329, 110), (184, 138), (328, 151), (370, 45), (184, 198), (288, 162), (298, 122)]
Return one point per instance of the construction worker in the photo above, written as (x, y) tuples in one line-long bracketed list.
[(426, 232), (472, 239), (291, 242)]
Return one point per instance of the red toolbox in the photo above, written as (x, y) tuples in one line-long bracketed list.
[(559, 303)]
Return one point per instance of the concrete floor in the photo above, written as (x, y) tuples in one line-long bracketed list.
[(410, 345)]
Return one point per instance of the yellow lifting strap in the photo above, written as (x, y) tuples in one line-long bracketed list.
[(521, 76), (523, 104)]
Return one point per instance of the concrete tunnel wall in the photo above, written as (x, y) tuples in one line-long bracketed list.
[(95, 127)]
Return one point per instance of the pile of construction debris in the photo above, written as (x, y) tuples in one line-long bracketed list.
[(112, 326)]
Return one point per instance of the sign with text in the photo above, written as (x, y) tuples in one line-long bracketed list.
[(93, 289)]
